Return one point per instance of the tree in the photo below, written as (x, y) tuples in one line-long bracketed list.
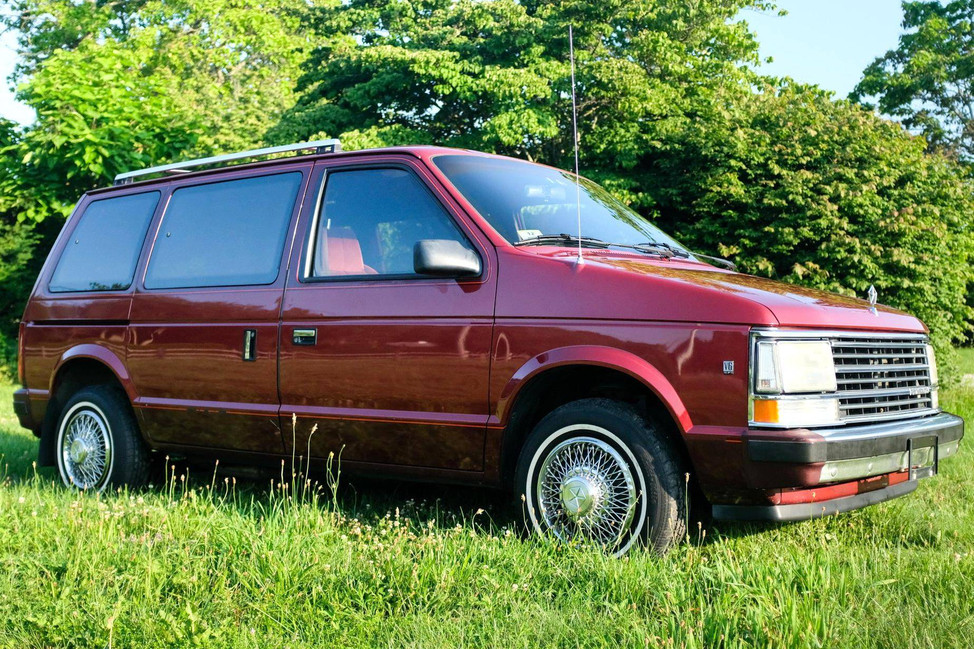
[(928, 80), (797, 187), (86, 133), (229, 65), (128, 84), (495, 75), (791, 184)]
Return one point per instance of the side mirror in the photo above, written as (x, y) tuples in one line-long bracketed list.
[(445, 258)]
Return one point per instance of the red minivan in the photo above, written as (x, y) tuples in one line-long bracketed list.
[(459, 317)]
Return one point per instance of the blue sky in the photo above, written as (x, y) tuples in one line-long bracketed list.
[(826, 42)]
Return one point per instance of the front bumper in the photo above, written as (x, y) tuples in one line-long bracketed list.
[(755, 474), (815, 509), (842, 454)]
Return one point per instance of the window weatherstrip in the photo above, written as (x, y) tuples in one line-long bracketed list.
[(313, 230)]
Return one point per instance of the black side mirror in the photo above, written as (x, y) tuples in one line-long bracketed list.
[(445, 258)]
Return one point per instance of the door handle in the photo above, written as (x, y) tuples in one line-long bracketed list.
[(304, 336), (250, 345)]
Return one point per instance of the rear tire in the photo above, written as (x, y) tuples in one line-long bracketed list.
[(98, 444), (597, 471)]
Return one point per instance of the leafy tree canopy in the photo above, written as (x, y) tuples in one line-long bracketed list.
[(495, 75), (795, 186), (928, 80), (125, 84)]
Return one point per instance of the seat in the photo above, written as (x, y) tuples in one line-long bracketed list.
[(339, 253)]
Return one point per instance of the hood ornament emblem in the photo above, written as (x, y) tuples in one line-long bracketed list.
[(873, 295)]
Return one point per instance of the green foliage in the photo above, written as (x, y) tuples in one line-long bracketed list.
[(495, 75), (790, 183), (86, 133), (928, 80), (124, 85), (795, 186), (226, 67)]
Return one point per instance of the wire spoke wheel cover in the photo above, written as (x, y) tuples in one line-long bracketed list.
[(84, 448), (585, 489)]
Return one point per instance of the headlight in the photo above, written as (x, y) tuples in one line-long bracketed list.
[(791, 379), (794, 367)]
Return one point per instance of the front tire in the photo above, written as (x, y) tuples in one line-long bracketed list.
[(98, 444), (597, 471)]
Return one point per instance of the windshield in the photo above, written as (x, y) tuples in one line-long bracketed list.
[(525, 201)]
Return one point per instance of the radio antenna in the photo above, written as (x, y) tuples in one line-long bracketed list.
[(578, 192)]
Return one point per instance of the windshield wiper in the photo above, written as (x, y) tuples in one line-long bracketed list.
[(569, 240), (563, 240), (683, 253), (660, 248), (653, 246)]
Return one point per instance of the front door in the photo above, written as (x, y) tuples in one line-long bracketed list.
[(391, 366), (203, 339)]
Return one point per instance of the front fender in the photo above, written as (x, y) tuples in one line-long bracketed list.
[(607, 357)]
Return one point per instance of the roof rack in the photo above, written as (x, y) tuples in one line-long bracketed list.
[(319, 146)]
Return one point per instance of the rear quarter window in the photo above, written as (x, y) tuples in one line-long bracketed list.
[(104, 247), (228, 233)]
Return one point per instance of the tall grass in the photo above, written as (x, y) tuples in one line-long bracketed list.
[(209, 560)]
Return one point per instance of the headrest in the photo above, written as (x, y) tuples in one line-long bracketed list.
[(339, 253)]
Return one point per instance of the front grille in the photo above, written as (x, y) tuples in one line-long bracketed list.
[(882, 378)]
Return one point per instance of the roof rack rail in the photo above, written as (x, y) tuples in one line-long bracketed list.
[(319, 146)]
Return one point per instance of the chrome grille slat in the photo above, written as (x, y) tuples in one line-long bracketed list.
[(882, 378), (886, 379), (897, 367), (865, 405), (885, 392), (880, 360), (880, 344)]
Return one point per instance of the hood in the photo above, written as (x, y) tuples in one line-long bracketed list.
[(627, 286), (791, 305)]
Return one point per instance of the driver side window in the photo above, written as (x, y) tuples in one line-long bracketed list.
[(370, 221)]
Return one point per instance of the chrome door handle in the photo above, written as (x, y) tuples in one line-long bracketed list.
[(250, 345), (304, 336)]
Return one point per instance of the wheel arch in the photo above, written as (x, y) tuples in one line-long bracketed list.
[(566, 374), (79, 367)]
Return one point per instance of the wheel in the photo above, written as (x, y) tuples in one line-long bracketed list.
[(98, 443), (597, 471)]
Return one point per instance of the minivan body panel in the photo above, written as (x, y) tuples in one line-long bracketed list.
[(186, 355), (219, 400), (398, 373), (61, 327)]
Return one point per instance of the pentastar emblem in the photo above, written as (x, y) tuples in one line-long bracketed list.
[(873, 295)]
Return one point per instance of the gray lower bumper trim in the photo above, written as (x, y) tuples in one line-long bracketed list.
[(805, 511), (856, 441)]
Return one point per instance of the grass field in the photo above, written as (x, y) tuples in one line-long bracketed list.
[(213, 562)]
